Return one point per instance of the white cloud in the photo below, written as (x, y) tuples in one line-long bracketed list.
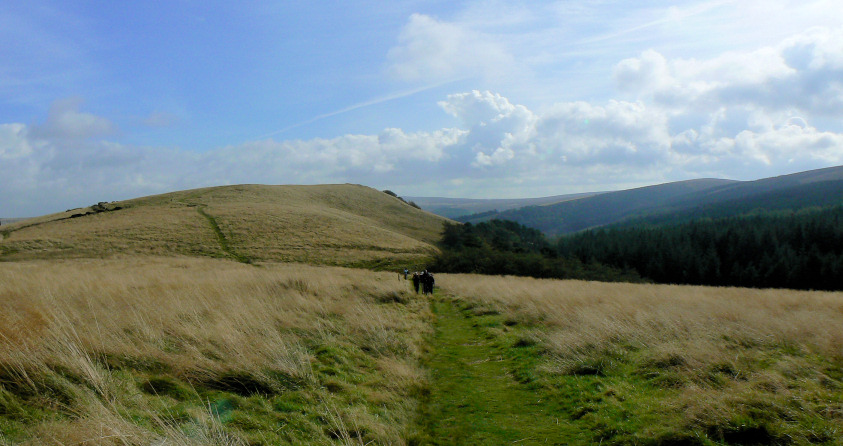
[(497, 129), (13, 141), (616, 133), (66, 122), (804, 72), (432, 50)]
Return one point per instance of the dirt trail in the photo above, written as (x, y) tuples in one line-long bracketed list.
[(474, 398)]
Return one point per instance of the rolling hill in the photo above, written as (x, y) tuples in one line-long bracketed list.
[(682, 201), (325, 224), (801, 196), (574, 215)]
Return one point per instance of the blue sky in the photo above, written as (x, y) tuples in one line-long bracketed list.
[(101, 101)]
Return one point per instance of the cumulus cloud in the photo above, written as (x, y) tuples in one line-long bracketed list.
[(805, 72), (432, 50), (497, 129)]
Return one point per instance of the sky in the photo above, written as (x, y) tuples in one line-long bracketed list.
[(104, 100)]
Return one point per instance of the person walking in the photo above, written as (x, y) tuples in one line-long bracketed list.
[(425, 282), (416, 280)]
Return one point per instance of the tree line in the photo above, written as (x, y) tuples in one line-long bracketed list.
[(501, 247), (782, 249), (800, 250)]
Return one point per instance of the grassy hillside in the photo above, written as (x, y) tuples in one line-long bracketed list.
[(327, 224)]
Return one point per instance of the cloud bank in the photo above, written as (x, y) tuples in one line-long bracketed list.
[(738, 115)]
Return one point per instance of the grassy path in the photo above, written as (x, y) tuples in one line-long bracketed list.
[(220, 236), (475, 398)]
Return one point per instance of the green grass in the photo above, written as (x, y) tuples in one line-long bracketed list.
[(491, 384), (481, 386), (488, 387), (341, 401)]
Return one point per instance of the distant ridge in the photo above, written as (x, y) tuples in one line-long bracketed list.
[(459, 207), (344, 224), (598, 210), (742, 189), (682, 201), (814, 188)]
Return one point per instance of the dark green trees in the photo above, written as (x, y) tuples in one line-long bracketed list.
[(508, 248), (801, 250)]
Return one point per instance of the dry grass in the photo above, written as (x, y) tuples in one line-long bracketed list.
[(716, 355), (592, 315), (328, 224), (80, 340)]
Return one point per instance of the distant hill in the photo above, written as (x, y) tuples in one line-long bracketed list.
[(326, 224), (607, 208), (458, 207), (684, 200), (811, 195)]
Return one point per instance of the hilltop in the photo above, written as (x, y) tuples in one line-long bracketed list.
[(346, 224)]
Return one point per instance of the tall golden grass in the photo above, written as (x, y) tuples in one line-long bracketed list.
[(586, 315), (78, 330), (727, 350), (80, 339)]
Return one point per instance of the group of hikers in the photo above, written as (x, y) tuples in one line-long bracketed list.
[(422, 279)]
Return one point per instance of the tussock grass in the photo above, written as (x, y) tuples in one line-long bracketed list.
[(191, 351), (675, 364)]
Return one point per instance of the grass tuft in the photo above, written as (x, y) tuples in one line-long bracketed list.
[(192, 351)]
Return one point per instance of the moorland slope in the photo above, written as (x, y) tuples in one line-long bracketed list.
[(346, 224), (681, 201)]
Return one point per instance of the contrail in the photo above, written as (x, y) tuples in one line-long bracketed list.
[(690, 12), (380, 100)]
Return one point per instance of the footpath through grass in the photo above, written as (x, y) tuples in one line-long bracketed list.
[(481, 391), (493, 381)]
